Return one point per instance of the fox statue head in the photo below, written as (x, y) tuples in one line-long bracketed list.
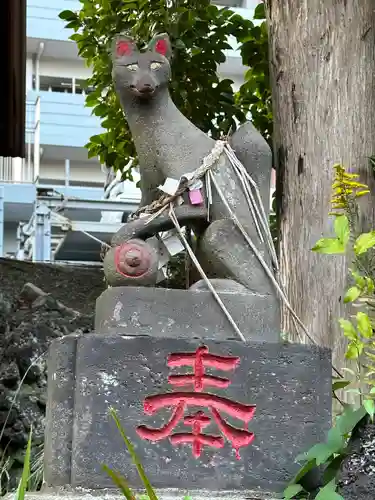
[(137, 74)]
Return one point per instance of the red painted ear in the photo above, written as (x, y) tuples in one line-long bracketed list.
[(161, 47), (123, 48)]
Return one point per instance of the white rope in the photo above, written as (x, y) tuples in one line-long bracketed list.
[(260, 220), (257, 211), (96, 239), (260, 258), (173, 217), (244, 176), (263, 219)]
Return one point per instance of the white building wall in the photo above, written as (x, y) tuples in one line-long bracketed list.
[(250, 4), (237, 80), (29, 74), (79, 172), (64, 68)]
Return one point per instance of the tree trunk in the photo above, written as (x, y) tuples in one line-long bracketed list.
[(322, 56)]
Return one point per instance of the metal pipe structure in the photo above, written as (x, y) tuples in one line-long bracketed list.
[(67, 172), (37, 65)]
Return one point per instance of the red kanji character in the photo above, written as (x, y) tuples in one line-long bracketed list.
[(198, 421)]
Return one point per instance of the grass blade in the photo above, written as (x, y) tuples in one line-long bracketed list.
[(120, 482), (150, 491), (22, 486)]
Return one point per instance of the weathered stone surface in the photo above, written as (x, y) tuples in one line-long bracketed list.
[(77, 287), (143, 228), (290, 384), (169, 146), (186, 313), (28, 323), (357, 477), (83, 494)]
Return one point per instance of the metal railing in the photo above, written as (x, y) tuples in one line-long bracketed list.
[(25, 170)]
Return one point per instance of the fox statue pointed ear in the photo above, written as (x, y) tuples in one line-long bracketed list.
[(161, 45), (123, 46)]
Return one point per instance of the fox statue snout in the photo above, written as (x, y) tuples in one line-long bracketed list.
[(144, 90)]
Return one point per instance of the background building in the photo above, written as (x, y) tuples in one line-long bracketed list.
[(51, 202)]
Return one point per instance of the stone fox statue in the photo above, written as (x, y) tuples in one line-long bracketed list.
[(169, 145)]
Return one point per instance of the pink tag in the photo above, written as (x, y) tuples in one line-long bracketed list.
[(196, 197)]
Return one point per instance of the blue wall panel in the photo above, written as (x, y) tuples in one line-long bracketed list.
[(43, 21), (43, 18), (64, 119)]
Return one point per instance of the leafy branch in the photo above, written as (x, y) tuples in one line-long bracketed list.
[(199, 33)]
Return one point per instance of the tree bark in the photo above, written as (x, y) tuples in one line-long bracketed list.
[(322, 57)]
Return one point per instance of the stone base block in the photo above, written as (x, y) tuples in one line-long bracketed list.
[(161, 312), (204, 410), (80, 494)]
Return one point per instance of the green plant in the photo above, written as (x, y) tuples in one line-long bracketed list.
[(34, 456), (359, 330), (328, 455), (119, 480), (199, 32), (254, 95), (24, 481)]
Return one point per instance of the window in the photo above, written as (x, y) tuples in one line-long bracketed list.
[(62, 85), (56, 84), (81, 87)]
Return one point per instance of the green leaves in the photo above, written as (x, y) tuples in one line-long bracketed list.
[(260, 12), (352, 294), (329, 492), (335, 245), (364, 325), (254, 95), (364, 242), (199, 33), (349, 419), (342, 229), (120, 481), (339, 384), (322, 452), (329, 246), (369, 405), (24, 481), (68, 15), (330, 454), (292, 490), (359, 337)]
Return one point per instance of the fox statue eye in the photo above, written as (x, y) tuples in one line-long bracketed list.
[(132, 67), (155, 65)]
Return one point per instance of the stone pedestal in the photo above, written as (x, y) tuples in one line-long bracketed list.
[(164, 313), (83, 494), (126, 361)]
